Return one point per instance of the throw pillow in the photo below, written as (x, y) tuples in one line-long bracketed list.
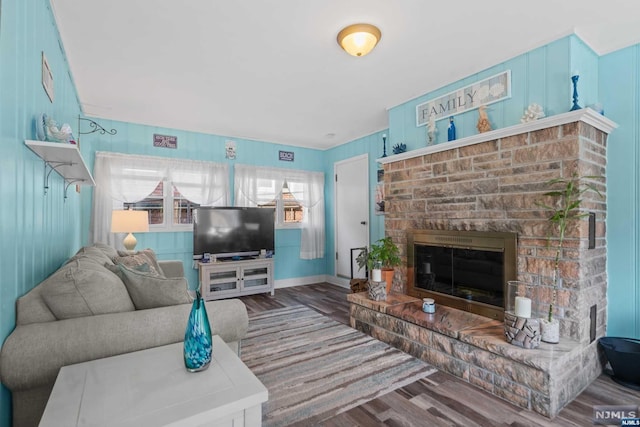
[(82, 287), (149, 291), (90, 252), (106, 249), (146, 256)]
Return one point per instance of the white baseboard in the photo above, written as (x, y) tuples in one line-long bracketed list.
[(339, 281), (309, 280), (298, 281)]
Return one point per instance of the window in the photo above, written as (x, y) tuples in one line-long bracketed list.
[(170, 189), (298, 197), (159, 202), (182, 208), (289, 212)]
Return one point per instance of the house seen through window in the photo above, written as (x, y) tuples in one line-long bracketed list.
[(289, 212), (168, 208)]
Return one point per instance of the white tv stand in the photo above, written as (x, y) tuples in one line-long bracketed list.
[(228, 279)]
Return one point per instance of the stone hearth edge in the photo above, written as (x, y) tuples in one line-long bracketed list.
[(473, 348)]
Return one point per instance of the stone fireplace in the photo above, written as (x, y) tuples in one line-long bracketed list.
[(490, 183)]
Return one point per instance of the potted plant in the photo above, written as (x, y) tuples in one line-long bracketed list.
[(565, 208), (380, 259)]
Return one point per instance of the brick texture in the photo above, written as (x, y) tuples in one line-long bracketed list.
[(495, 185)]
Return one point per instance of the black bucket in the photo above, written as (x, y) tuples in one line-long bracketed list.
[(624, 356)]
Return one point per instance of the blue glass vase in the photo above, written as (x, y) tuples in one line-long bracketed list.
[(197, 338), (451, 130)]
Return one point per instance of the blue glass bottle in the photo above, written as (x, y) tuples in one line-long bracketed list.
[(451, 131), (197, 338)]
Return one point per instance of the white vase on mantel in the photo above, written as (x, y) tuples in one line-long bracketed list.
[(550, 330)]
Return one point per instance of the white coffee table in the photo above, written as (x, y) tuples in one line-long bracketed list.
[(153, 388)]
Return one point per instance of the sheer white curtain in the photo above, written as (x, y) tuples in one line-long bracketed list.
[(312, 198), (204, 183), (125, 178), (256, 185)]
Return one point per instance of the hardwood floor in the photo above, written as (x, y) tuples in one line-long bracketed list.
[(441, 399)]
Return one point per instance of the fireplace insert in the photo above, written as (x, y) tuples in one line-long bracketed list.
[(468, 270)]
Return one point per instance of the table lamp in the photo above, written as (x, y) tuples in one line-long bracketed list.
[(129, 221)]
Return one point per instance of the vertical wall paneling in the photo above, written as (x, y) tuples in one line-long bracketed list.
[(621, 101), (38, 232), (540, 76), (585, 61), (558, 80)]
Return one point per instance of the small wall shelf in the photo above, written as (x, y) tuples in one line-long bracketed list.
[(65, 159)]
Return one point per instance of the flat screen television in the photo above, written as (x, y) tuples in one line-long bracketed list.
[(232, 232)]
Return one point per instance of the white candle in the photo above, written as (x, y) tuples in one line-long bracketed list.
[(523, 307), (376, 275)]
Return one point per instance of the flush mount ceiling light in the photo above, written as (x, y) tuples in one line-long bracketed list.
[(359, 39)]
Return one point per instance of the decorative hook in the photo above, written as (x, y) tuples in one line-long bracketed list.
[(95, 127)]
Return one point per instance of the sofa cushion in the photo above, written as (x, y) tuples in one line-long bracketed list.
[(92, 253), (106, 249), (83, 287), (150, 291), (146, 256)]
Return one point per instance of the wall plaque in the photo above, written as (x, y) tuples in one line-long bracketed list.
[(493, 89), (285, 156), (165, 141)]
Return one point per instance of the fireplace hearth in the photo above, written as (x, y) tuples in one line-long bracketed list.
[(467, 270)]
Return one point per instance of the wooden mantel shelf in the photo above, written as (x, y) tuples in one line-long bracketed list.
[(586, 115)]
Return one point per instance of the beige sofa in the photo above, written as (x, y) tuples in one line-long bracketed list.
[(85, 311)]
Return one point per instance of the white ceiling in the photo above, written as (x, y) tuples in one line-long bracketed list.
[(271, 70)]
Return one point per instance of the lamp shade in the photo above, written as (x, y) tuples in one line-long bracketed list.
[(129, 221), (359, 39)]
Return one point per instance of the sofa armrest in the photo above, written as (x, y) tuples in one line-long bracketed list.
[(33, 354), (172, 268)]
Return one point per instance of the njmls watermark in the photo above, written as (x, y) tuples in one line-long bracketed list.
[(616, 415)]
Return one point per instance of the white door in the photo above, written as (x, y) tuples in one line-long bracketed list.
[(352, 213)]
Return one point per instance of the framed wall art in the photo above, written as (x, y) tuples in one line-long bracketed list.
[(47, 78)]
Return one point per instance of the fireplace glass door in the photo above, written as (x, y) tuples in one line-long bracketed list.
[(471, 274)]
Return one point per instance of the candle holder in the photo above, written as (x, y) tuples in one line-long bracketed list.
[(520, 328), (574, 80), (384, 145)]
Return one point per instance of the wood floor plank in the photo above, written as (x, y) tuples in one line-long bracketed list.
[(439, 399), (403, 412)]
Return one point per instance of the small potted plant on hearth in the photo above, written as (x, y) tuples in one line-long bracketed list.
[(380, 259), (565, 207)]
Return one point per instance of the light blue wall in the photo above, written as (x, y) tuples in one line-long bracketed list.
[(37, 232), (542, 76), (138, 139), (372, 146), (586, 62), (620, 93)]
